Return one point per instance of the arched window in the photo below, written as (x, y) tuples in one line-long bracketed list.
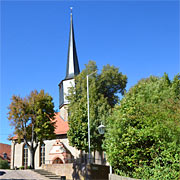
[(5, 155), (42, 154), (25, 156)]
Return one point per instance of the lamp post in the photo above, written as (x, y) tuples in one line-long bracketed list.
[(89, 143), (101, 130)]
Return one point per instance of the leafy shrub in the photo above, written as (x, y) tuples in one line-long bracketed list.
[(142, 139), (4, 164), (21, 168)]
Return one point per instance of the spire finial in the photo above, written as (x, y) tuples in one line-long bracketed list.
[(71, 9)]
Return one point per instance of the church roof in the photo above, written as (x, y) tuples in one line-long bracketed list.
[(61, 126), (72, 68), (5, 149)]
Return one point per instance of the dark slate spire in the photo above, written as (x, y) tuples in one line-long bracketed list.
[(72, 68)]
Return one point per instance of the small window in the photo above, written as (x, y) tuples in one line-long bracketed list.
[(25, 156), (42, 154), (5, 155)]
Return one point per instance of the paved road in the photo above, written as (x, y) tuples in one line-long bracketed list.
[(20, 175)]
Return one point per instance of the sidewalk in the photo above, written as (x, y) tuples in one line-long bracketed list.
[(20, 175)]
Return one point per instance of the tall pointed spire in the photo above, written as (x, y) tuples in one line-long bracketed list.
[(72, 68)]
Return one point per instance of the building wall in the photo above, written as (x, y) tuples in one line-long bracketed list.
[(66, 85), (18, 153), (64, 112), (48, 147), (12, 155), (63, 90)]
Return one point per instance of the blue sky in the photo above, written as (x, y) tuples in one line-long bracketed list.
[(139, 37)]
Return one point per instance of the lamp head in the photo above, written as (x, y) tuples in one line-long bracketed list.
[(101, 129)]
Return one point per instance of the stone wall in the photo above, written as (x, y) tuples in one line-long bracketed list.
[(79, 171), (95, 171), (116, 177), (60, 169)]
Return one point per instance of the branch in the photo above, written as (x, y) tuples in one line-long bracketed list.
[(36, 141), (25, 140), (24, 135), (36, 145), (32, 137)]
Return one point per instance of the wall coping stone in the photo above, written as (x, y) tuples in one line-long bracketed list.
[(116, 177)]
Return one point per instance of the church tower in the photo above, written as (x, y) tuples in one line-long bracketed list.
[(72, 69)]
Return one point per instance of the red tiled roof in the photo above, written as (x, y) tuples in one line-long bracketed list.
[(5, 148), (14, 137), (61, 126)]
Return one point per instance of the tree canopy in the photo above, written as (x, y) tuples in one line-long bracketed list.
[(143, 133), (32, 119), (103, 89)]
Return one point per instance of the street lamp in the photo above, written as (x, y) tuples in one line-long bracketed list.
[(89, 143), (101, 129)]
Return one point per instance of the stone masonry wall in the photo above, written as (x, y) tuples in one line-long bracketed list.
[(60, 169), (79, 171)]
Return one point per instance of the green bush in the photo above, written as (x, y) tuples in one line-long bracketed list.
[(4, 164), (143, 134), (21, 168)]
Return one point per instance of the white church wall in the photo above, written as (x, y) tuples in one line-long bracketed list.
[(49, 144), (66, 85), (73, 150), (64, 112), (18, 155), (18, 158), (37, 157), (12, 154), (63, 90)]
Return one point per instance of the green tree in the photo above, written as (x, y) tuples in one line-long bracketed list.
[(33, 119), (142, 138), (103, 89), (4, 164)]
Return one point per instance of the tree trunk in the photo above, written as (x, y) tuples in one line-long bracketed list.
[(32, 148), (32, 153)]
